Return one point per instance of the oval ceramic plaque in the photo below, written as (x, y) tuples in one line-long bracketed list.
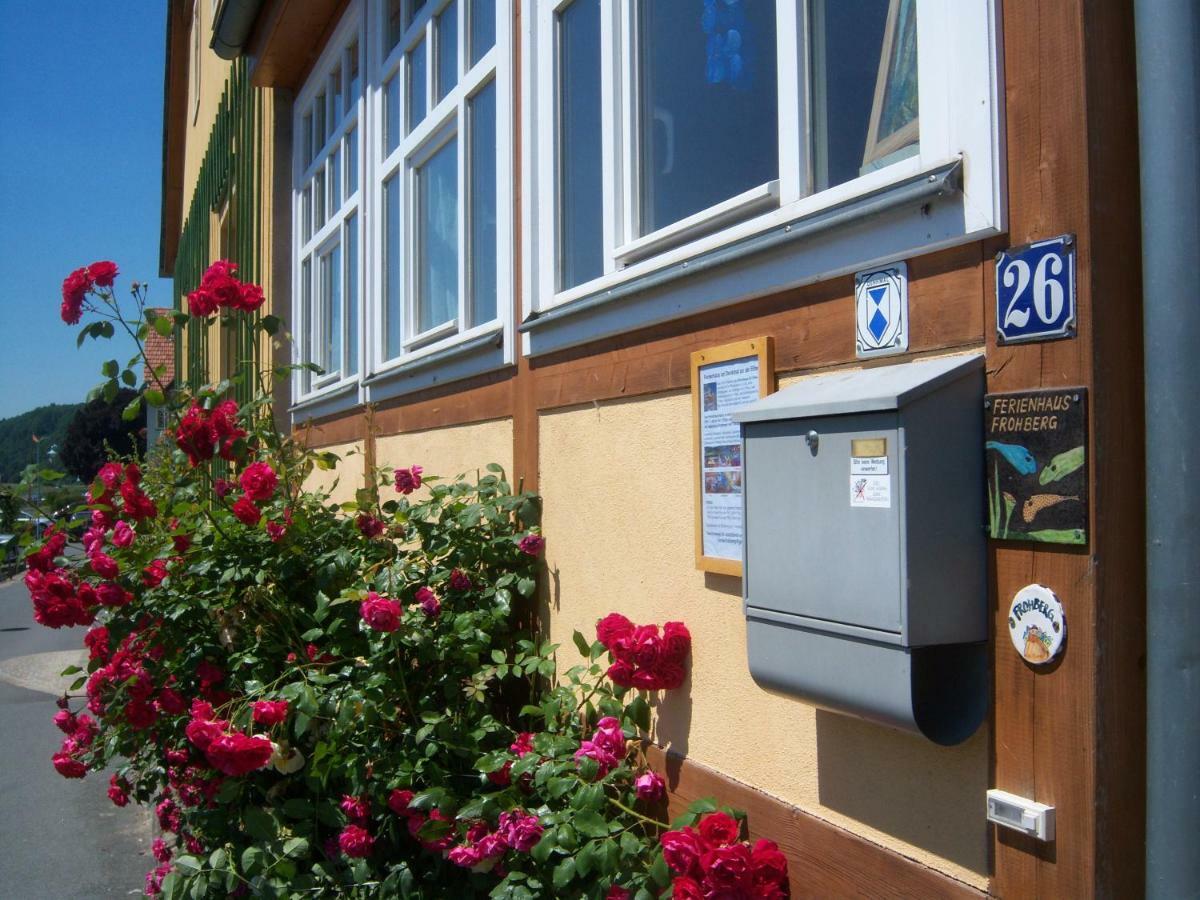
[(1037, 624)]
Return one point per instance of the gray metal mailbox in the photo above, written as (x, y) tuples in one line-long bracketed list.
[(865, 573)]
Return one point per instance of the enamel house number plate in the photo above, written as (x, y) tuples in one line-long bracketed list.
[(1035, 291)]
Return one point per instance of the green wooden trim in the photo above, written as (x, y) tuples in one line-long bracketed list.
[(229, 171)]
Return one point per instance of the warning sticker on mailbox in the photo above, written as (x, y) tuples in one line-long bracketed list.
[(868, 465), (871, 491)]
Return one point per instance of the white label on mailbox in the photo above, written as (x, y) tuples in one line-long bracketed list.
[(871, 491), (868, 465)]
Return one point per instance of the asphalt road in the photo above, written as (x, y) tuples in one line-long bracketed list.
[(60, 839)]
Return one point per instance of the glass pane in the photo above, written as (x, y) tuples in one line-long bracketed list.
[(393, 24), (483, 205), (864, 86), (392, 259), (335, 95), (416, 85), (306, 305), (335, 181), (351, 161), (353, 81), (319, 131), (352, 295), (333, 334), (580, 238), (319, 199), (391, 114), (437, 238), (414, 9), (306, 212), (447, 50), (708, 114), (483, 28), (308, 144)]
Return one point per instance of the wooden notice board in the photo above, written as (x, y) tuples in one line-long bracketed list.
[(724, 379)]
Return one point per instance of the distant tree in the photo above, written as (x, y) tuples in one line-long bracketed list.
[(98, 423), (10, 508)]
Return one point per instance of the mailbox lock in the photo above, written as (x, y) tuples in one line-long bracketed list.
[(812, 439)]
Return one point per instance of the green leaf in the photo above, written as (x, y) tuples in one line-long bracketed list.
[(188, 863), (164, 326), (590, 823), (258, 823), (564, 872), (581, 643), (526, 586), (218, 859), (296, 846), (297, 808), (110, 390), (132, 409), (155, 397), (541, 850), (659, 873), (129, 378), (271, 324), (110, 369), (252, 860), (70, 670)]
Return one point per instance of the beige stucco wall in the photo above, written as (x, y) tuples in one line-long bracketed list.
[(616, 482), (211, 84), (344, 480), (449, 452)]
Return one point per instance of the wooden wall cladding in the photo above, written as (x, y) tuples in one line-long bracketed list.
[(823, 860)]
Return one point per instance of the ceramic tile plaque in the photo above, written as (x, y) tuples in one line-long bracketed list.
[(1037, 472)]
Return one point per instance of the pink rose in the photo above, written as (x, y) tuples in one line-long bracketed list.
[(523, 744), (117, 792), (270, 712), (68, 766), (520, 830), (357, 809), (429, 602), (259, 481), (380, 613), (650, 787), (123, 535), (532, 544), (356, 841), (276, 531), (408, 480)]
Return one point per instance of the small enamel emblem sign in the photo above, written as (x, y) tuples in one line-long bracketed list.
[(881, 308), (1036, 624)]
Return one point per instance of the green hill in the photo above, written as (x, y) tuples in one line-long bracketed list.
[(16, 445)]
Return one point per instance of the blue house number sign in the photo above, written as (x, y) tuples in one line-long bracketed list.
[(1035, 291)]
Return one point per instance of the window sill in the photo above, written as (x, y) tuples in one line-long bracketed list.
[(434, 367), (916, 214), (329, 400)]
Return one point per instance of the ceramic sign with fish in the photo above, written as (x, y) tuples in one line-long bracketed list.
[(1035, 446), (1037, 624)]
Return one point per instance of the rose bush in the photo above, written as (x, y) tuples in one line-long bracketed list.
[(324, 700)]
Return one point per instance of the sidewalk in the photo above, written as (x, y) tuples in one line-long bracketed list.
[(60, 839)]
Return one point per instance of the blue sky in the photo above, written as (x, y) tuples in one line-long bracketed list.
[(80, 180)]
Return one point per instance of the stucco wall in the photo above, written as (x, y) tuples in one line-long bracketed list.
[(616, 481), (448, 452), (348, 474), (200, 116)]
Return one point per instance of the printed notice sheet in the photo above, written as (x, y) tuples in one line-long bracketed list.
[(725, 387)]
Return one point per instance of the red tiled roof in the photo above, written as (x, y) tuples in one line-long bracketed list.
[(160, 351)]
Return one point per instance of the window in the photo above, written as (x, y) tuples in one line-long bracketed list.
[(667, 131), (402, 199)]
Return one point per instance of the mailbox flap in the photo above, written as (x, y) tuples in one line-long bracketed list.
[(864, 390)]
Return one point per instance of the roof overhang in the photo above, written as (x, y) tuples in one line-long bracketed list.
[(175, 92), (288, 39)]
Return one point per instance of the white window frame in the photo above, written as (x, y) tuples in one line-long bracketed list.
[(960, 100), (452, 350)]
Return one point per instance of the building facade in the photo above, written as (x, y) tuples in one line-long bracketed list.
[(502, 229)]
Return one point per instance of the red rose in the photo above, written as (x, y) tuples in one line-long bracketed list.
[(111, 594), (357, 809), (239, 754), (682, 850), (408, 480), (676, 641), (250, 298), (209, 674), (104, 565), (201, 303), (769, 867), (459, 581), (356, 841), (246, 511), (719, 829), (137, 505), (117, 791), (74, 288), (428, 601), (370, 526), (259, 481), (611, 628), (202, 732), (616, 892), (727, 867), (398, 801), (195, 435), (153, 574), (621, 674), (103, 272), (380, 613), (276, 531), (684, 888), (68, 766), (270, 712)]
